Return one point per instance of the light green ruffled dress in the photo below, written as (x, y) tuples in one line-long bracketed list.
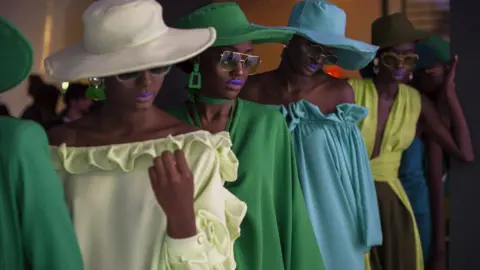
[(118, 221)]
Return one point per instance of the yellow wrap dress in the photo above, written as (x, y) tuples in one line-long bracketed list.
[(399, 133)]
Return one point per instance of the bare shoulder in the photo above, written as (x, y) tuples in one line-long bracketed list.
[(59, 135), (68, 133), (342, 90)]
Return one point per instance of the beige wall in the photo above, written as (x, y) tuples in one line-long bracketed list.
[(50, 29), (360, 15), (49, 25)]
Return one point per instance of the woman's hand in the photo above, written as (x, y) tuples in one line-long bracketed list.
[(172, 183), (450, 79)]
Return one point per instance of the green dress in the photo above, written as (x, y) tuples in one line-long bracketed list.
[(276, 232), (35, 229)]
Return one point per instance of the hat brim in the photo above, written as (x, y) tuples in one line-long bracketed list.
[(172, 47), (352, 54), (16, 54), (255, 33)]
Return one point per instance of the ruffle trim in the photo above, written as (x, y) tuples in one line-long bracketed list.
[(77, 160)]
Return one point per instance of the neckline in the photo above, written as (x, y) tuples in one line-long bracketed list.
[(388, 122), (195, 133)]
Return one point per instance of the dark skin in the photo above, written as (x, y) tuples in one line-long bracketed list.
[(431, 125), (126, 118), (294, 81), (215, 84), (430, 122), (433, 83)]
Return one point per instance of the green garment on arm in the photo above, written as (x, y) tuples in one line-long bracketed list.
[(36, 232), (276, 232)]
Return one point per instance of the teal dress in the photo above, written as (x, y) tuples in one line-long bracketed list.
[(337, 181), (412, 176)]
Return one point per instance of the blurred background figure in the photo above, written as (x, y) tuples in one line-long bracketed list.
[(45, 99), (77, 104)]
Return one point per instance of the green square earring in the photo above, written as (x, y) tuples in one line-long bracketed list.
[(95, 91), (195, 79)]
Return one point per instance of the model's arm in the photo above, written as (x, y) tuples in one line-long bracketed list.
[(460, 144)]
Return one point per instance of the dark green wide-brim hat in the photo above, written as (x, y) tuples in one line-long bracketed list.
[(232, 25), (393, 30), (16, 56), (432, 50)]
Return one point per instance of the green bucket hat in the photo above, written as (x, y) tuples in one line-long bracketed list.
[(393, 30), (232, 25), (432, 50), (16, 56)]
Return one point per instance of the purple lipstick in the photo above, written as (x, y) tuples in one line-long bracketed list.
[(235, 82), (313, 66), (399, 74), (144, 95)]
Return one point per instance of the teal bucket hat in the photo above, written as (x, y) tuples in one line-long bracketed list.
[(16, 56), (324, 23), (232, 25), (432, 50)]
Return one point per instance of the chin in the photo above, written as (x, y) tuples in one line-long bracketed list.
[(143, 106), (232, 94)]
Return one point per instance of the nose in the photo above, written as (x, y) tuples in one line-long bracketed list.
[(319, 60), (240, 70), (145, 78), (400, 64)]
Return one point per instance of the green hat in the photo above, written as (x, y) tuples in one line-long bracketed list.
[(16, 56), (232, 25), (393, 30), (432, 50)]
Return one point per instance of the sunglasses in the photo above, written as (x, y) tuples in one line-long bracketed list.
[(392, 60), (229, 61), (134, 75), (318, 52)]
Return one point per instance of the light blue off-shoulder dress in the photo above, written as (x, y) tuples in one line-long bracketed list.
[(337, 181)]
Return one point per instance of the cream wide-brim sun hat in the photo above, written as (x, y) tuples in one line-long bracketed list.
[(122, 36)]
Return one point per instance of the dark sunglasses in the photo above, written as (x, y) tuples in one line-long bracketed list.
[(134, 75), (318, 52), (391, 60), (229, 61)]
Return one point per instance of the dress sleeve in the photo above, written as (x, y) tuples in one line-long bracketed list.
[(47, 231), (218, 214), (299, 245)]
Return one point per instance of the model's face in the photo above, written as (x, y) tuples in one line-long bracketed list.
[(135, 90), (396, 63), (225, 69), (432, 78), (306, 57)]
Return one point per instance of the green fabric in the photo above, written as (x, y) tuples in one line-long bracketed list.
[(432, 50), (276, 232), (35, 228), (16, 56), (194, 96), (232, 25)]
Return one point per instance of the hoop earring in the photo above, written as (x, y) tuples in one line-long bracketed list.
[(376, 69), (195, 78), (95, 91)]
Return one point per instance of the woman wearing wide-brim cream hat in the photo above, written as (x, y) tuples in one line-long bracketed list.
[(145, 190)]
